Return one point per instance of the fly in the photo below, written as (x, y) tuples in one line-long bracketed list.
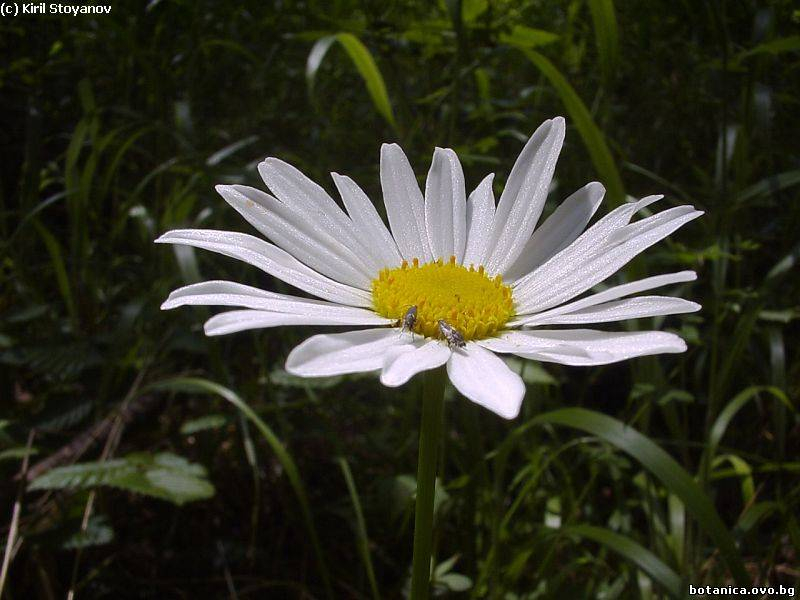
[(451, 334), (408, 319)]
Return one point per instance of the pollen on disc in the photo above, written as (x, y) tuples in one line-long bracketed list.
[(467, 298)]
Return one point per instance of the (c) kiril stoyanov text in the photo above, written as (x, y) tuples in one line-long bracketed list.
[(58, 8)]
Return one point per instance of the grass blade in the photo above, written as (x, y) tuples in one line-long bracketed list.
[(199, 385), (592, 137), (361, 527), (769, 185), (364, 64), (606, 36), (648, 562), (727, 414), (57, 259)]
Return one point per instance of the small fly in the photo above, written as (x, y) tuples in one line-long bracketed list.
[(451, 334), (408, 320)]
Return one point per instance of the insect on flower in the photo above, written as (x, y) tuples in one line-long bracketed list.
[(408, 320), (451, 334)]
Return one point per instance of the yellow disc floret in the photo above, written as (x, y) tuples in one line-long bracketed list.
[(466, 298)]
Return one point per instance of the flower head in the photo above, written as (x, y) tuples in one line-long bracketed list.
[(453, 280)]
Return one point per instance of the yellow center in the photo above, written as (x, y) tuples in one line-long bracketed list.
[(466, 298)]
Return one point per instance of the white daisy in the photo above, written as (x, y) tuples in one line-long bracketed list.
[(487, 272)]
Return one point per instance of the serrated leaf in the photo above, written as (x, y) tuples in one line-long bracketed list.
[(98, 532), (164, 475), (64, 419)]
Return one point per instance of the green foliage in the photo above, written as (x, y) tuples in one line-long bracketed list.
[(648, 562), (626, 481), (203, 424), (363, 62), (653, 458), (163, 475), (582, 119)]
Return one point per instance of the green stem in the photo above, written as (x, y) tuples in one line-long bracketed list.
[(430, 434)]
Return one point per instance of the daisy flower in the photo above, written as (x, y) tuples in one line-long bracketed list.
[(453, 280)]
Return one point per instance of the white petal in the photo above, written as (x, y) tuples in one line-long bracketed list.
[(350, 352), (270, 259), (523, 198), (296, 233), (573, 278), (241, 320), (368, 223), (620, 310), (593, 347), (612, 293), (446, 206), (639, 227), (400, 366), (228, 293), (405, 205), (311, 201), (560, 229), (480, 220), (486, 380), (584, 248)]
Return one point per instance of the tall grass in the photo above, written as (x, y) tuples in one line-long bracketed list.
[(627, 481)]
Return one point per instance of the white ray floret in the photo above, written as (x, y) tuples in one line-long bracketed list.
[(344, 257)]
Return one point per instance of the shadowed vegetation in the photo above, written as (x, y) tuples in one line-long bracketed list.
[(163, 464)]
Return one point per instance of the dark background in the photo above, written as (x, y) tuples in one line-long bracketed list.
[(116, 128)]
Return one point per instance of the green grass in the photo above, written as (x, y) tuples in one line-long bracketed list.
[(627, 481)]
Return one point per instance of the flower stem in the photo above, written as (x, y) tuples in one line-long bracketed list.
[(430, 434)]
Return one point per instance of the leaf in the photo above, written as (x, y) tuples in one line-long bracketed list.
[(606, 36), (64, 419), (592, 137), (57, 260), (220, 155), (724, 418), (454, 582), (98, 532), (742, 470), (778, 46), (785, 264), (768, 185), (364, 64), (17, 452), (445, 578), (663, 466), (648, 562), (472, 9), (755, 513), (61, 361), (528, 37), (203, 423), (164, 475)]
